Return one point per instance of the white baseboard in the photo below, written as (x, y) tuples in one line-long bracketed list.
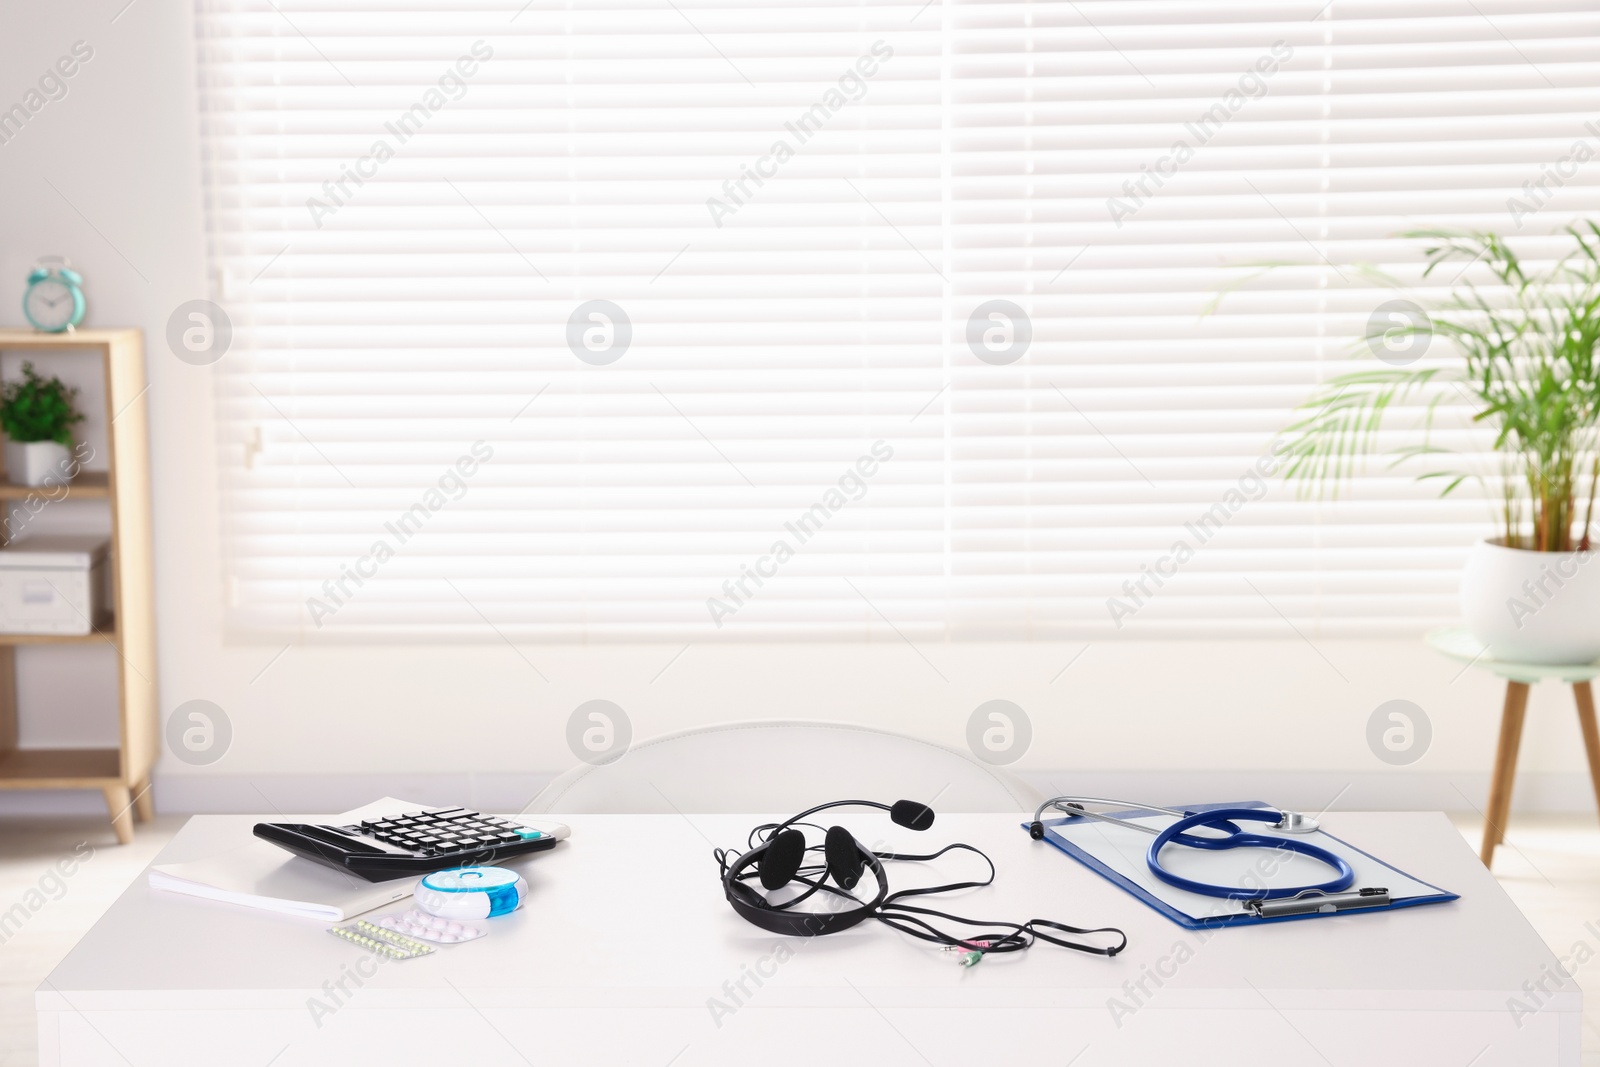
[(1303, 790), (52, 802)]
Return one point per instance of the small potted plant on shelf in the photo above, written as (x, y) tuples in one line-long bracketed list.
[(37, 415), (1523, 357)]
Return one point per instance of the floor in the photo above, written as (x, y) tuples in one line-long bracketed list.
[(59, 908), (1550, 865)]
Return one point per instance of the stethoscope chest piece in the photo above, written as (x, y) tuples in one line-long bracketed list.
[(1294, 822)]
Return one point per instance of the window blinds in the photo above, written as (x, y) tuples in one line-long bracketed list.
[(694, 319)]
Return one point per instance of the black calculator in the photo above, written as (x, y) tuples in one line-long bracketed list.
[(415, 843)]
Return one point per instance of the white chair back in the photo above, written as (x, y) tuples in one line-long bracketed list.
[(776, 767)]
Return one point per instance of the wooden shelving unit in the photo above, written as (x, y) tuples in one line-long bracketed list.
[(122, 774), (93, 638), (90, 485)]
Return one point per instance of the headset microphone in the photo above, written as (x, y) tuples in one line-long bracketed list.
[(910, 814), (907, 813)]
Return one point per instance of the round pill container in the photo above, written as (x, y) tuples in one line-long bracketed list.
[(471, 892)]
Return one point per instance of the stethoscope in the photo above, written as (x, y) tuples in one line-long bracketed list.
[(1222, 820)]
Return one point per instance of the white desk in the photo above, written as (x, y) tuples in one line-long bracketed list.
[(626, 939)]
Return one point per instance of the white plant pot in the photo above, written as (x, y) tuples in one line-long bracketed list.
[(37, 463), (1533, 607)]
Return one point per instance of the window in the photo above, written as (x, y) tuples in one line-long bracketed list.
[(639, 321)]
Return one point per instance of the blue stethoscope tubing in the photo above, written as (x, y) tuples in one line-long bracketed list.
[(1234, 837), (1222, 821)]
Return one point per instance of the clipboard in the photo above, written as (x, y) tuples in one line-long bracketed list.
[(1117, 854)]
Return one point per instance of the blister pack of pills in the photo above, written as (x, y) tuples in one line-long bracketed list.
[(376, 939), (420, 924)]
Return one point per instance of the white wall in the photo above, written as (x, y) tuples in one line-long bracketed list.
[(315, 725), (108, 175)]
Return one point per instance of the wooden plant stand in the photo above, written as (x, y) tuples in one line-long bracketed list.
[(1456, 642)]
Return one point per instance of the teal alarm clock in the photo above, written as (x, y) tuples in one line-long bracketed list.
[(54, 301)]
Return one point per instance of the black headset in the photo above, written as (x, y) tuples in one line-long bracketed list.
[(776, 857)]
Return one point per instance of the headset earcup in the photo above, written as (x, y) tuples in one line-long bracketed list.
[(781, 861), (844, 857)]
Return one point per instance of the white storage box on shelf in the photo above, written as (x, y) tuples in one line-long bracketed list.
[(54, 585)]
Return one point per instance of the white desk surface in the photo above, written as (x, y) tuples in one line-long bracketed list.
[(626, 948)]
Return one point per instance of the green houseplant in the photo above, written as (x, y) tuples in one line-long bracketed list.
[(1525, 362), (38, 414)]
